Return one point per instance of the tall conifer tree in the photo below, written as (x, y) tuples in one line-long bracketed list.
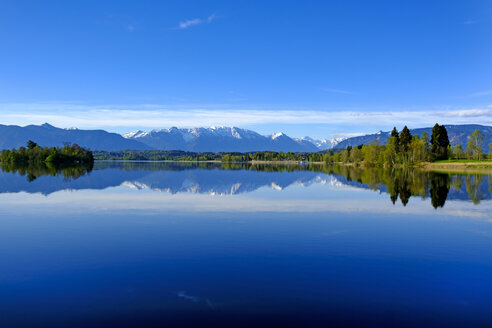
[(439, 142), (396, 136), (405, 139)]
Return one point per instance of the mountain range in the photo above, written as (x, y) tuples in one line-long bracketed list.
[(219, 139), (213, 139)]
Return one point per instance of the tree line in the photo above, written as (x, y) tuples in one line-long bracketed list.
[(33, 154), (403, 148)]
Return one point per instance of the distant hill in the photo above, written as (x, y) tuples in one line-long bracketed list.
[(458, 134), (12, 136)]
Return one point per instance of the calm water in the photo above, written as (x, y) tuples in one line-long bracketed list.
[(167, 244)]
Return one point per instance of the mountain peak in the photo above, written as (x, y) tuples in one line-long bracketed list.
[(134, 134), (277, 135), (48, 126)]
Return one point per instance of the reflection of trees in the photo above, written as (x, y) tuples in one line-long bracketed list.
[(32, 172), (439, 189), (399, 183), (472, 183), (404, 183), (457, 182)]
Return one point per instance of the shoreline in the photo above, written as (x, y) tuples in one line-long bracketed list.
[(457, 167)]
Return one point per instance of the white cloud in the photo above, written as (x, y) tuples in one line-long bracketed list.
[(481, 93), (114, 199), (469, 113), (189, 22), (146, 116), (336, 91), (211, 18), (196, 21)]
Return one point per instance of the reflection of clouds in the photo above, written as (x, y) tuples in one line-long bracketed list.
[(211, 304), (121, 199), (187, 297), (482, 233), (196, 299), (334, 233), (467, 209)]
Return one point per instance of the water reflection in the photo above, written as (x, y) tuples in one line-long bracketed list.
[(231, 179), (184, 245), (32, 172)]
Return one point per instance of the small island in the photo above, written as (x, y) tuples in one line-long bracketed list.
[(33, 154), (71, 161)]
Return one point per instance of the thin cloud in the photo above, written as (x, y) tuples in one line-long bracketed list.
[(126, 118), (194, 22), (336, 91), (481, 93), (189, 23), (211, 18), (471, 22), (469, 113)]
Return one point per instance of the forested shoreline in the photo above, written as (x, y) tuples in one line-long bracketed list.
[(35, 155)]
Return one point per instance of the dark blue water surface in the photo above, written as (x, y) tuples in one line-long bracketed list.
[(193, 246)]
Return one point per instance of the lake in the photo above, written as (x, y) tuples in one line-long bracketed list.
[(159, 244)]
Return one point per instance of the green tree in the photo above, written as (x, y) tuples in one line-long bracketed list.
[(439, 142), (458, 152), (405, 138), (396, 136), (31, 145), (417, 151), (345, 155), (356, 155), (390, 152), (475, 142)]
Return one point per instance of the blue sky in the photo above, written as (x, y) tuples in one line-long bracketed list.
[(318, 68)]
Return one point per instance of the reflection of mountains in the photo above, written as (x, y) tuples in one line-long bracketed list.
[(222, 179), (221, 182), (170, 177)]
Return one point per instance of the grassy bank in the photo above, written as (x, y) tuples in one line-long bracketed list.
[(460, 165)]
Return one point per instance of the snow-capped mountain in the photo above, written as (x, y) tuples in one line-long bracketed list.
[(218, 139), (322, 144)]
